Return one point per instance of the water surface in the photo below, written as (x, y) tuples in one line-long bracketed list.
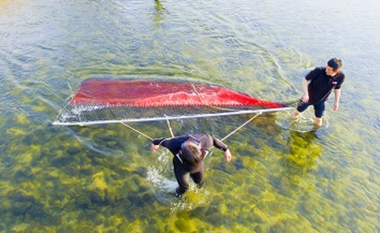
[(105, 179)]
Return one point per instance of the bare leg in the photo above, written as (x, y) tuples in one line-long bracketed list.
[(318, 121), (295, 115)]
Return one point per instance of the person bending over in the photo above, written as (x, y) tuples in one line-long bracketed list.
[(189, 152)]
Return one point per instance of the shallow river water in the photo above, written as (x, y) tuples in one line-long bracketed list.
[(104, 178)]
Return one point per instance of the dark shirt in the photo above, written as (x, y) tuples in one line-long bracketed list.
[(174, 145), (321, 84)]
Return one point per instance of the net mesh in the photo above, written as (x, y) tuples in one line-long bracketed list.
[(110, 101)]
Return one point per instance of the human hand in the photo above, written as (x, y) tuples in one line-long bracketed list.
[(154, 147), (305, 97), (227, 155), (336, 106)]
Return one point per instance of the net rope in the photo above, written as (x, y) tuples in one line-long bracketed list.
[(171, 130)]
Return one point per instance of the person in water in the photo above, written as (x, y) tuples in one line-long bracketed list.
[(317, 86), (189, 152)]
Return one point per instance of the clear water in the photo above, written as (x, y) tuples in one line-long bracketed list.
[(105, 179)]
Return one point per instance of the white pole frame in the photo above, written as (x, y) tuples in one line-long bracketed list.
[(57, 123)]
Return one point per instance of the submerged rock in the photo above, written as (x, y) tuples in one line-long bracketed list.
[(82, 201), (61, 161), (238, 163), (98, 197), (217, 200), (9, 164), (25, 174), (199, 211), (258, 229), (22, 197), (183, 225), (21, 208)]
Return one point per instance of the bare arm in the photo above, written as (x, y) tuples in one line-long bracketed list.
[(220, 145), (156, 144), (227, 155), (305, 87), (337, 99)]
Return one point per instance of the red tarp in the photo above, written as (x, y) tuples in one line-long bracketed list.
[(162, 94)]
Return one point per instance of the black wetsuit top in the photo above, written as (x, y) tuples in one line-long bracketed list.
[(174, 145), (321, 84)]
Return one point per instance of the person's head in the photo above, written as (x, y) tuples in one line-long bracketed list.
[(191, 151), (333, 66)]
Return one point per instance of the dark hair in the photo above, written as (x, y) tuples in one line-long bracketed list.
[(335, 63), (191, 153)]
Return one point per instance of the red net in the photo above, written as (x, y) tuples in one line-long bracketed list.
[(132, 93)]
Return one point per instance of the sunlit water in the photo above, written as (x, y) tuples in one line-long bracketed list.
[(283, 178)]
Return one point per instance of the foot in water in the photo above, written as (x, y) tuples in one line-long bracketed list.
[(178, 193)]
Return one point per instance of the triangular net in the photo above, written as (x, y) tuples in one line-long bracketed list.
[(101, 101)]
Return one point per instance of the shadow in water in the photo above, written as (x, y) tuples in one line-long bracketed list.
[(302, 150), (159, 12), (158, 6), (297, 162)]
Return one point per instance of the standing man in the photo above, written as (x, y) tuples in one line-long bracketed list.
[(317, 86), (189, 152)]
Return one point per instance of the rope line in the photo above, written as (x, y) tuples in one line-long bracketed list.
[(240, 126), (136, 131), (171, 131), (170, 128)]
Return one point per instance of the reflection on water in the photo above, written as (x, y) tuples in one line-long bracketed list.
[(105, 178), (303, 151), (159, 7)]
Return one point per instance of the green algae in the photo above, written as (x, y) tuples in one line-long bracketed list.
[(94, 179)]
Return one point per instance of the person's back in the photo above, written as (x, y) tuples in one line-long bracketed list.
[(189, 152)]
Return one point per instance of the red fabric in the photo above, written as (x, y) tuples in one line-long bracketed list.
[(160, 94)]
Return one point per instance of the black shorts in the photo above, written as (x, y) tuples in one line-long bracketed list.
[(319, 108)]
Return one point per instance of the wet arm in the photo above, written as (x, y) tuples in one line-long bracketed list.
[(173, 144), (337, 93), (156, 144), (220, 145), (305, 87)]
